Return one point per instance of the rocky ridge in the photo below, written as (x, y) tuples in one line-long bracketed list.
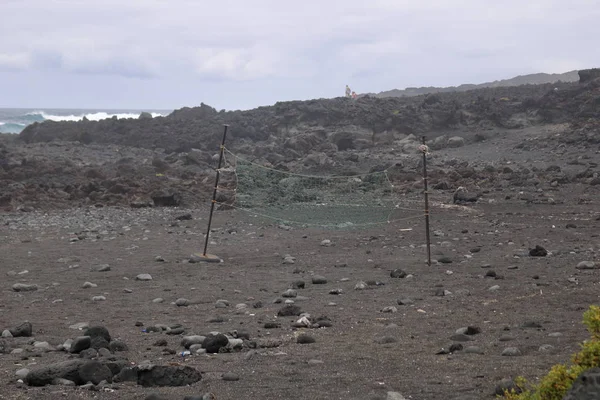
[(169, 161)]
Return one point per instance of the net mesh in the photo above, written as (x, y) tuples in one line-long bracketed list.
[(331, 202)]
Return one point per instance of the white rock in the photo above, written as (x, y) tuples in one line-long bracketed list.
[(22, 373), (143, 277)]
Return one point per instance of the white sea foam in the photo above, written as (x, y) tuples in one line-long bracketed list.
[(97, 116)]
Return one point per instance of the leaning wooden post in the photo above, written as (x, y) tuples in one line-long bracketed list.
[(204, 256)]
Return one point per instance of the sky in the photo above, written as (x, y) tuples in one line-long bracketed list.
[(240, 54)]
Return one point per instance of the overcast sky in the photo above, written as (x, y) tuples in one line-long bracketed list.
[(239, 54)]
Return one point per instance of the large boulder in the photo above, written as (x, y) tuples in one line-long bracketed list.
[(94, 371), (44, 375)]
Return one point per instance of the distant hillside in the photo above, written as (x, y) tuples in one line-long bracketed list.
[(532, 79)]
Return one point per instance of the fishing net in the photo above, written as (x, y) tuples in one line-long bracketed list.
[(330, 202)]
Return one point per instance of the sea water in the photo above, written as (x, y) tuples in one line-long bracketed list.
[(14, 120)]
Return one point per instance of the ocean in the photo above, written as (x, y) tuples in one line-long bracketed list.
[(14, 120)]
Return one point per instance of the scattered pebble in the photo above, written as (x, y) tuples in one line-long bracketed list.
[(511, 352), (230, 377), (23, 287), (143, 277), (305, 338)]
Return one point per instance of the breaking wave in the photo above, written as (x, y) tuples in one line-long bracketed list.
[(14, 121), (95, 116)]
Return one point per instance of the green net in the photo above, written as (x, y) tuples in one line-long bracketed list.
[(334, 202)]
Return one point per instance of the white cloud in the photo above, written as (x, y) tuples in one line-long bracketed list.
[(315, 46), (236, 63), (14, 61)]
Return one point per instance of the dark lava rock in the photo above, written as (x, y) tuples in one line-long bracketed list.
[(127, 374), (398, 273), (445, 260), (99, 342), (324, 323), (538, 251), (490, 274), (455, 347), (166, 199), (272, 325), (95, 372), (22, 330), (117, 345), (471, 330), (167, 375), (462, 196), (4, 347), (319, 280), (212, 344), (298, 285), (289, 310), (98, 331), (304, 338), (184, 217), (116, 365), (243, 335), (44, 375), (81, 343), (88, 354)]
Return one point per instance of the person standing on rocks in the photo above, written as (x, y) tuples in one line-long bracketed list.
[(348, 91)]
